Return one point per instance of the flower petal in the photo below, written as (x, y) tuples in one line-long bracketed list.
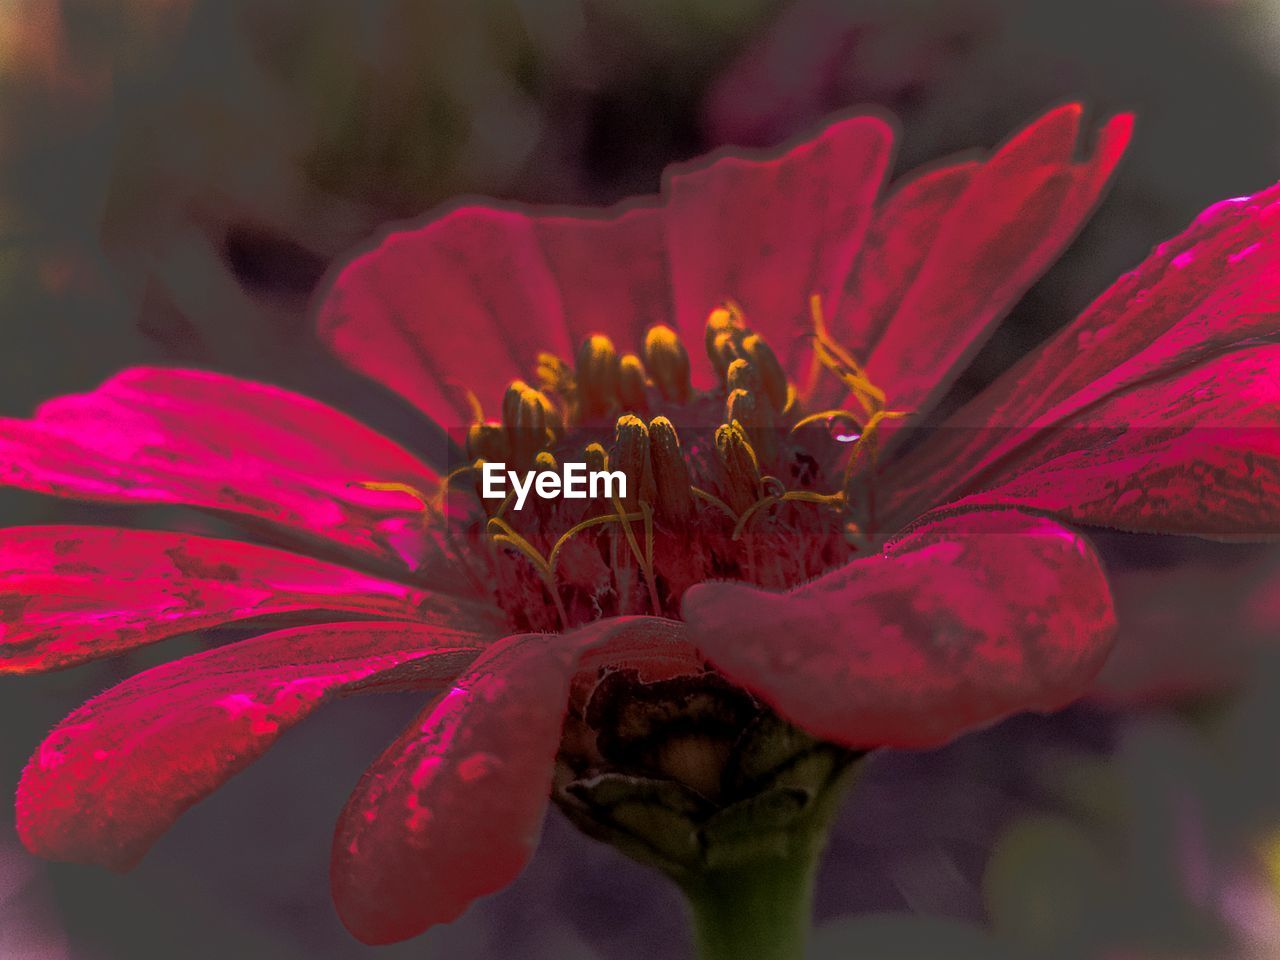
[(967, 620), (768, 233), (70, 594), (465, 302), (117, 773), (1016, 213), (469, 301), (220, 443), (1196, 452), (452, 810), (1197, 296)]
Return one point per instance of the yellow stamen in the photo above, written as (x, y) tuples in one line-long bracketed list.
[(769, 371), (668, 364), (502, 532), (841, 363), (715, 501), (670, 473), (487, 441), (597, 372), (631, 383)]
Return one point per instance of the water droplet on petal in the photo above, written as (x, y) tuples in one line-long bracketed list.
[(843, 428)]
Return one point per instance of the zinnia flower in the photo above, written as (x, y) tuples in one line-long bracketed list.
[(798, 573)]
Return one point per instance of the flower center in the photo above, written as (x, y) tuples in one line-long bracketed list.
[(751, 487)]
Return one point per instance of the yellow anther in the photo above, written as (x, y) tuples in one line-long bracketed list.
[(597, 376), (487, 441), (724, 332), (668, 364), (756, 418), (631, 456), (546, 460), (723, 351), (631, 381), (555, 376), (595, 457), (739, 469), (532, 422), (765, 362), (740, 375), (670, 474)]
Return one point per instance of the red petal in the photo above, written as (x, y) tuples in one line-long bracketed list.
[(71, 594), (1197, 296), (452, 810), (768, 233), (1016, 214), (117, 773), (1198, 452), (217, 442), (467, 302), (965, 621)]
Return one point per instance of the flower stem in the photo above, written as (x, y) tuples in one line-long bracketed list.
[(761, 908), (757, 911)]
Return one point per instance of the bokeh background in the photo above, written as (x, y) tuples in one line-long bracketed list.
[(178, 176)]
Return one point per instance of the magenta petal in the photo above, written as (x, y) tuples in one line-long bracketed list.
[(769, 233), (1197, 296), (966, 620), (468, 302), (117, 773), (452, 810), (1017, 212), (1197, 452), (219, 443), (71, 594)]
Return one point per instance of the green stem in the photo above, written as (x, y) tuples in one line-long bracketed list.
[(761, 908), (758, 911)]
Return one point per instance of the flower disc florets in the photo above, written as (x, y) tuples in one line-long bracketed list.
[(739, 482)]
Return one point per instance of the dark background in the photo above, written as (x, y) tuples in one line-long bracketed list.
[(177, 176)]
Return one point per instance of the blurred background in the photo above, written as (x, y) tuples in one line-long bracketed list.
[(178, 176)]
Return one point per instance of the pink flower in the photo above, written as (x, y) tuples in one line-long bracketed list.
[(874, 592)]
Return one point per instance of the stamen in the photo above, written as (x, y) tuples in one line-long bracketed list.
[(715, 501), (841, 363), (555, 376), (502, 532), (532, 422), (631, 382), (597, 377), (631, 456), (595, 457), (791, 496), (739, 468), (768, 370), (487, 441), (668, 364), (670, 473)]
